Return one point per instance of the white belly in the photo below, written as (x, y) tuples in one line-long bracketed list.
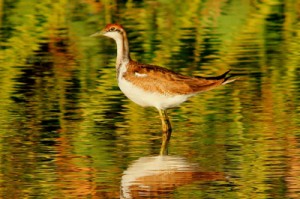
[(144, 98)]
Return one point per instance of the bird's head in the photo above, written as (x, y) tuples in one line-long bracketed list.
[(111, 30)]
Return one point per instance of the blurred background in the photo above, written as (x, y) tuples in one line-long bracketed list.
[(66, 130)]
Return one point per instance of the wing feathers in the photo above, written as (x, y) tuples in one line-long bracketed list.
[(162, 80)]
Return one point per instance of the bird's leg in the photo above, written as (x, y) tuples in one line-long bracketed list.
[(166, 131)]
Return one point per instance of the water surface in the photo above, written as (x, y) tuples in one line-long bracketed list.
[(66, 130)]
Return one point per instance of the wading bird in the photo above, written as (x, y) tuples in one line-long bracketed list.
[(155, 86)]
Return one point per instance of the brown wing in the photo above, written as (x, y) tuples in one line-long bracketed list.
[(162, 80)]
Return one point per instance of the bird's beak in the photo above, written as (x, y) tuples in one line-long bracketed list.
[(97, 34)]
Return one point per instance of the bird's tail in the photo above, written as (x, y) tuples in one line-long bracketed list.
[(227, 79)]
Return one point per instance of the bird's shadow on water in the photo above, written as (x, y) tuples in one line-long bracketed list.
[(159, 176)]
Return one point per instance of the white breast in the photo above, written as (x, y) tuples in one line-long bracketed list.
[(144, 98)]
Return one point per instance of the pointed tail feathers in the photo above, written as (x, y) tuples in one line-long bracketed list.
[(227, 79)]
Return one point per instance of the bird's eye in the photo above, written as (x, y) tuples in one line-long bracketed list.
[(112, 29)]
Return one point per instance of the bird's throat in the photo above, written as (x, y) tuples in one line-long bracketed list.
[(122, 51)]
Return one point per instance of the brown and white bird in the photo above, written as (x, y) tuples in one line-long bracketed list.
[(155, 86)]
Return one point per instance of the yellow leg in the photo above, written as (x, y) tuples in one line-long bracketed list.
[(166, 131)]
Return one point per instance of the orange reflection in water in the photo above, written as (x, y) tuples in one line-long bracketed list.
[(73, 179), (293, 173)]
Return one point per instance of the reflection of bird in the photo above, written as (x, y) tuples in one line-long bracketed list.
[(149, 85), (158, 176)]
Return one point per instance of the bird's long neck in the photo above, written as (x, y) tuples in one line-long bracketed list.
[(123, 56)]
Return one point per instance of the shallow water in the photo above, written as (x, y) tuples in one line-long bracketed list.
[(66, 130)]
